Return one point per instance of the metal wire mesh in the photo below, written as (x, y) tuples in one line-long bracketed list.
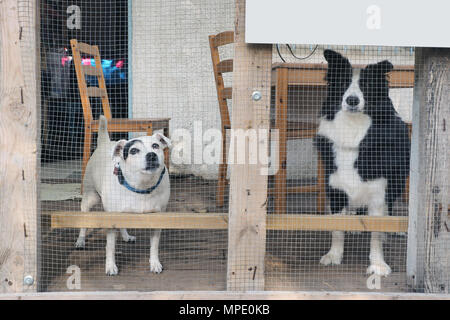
[(295, 264), (158, 62)]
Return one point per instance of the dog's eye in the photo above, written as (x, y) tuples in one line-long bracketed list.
[(134, 151), (155, 146)]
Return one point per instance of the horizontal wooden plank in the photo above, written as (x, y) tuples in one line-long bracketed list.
[(222, 295), (134, 125), (178, 220), (223, 38), (166, 220), (225, 66), (91, 71), (86, 48), (314, 75), (336, 223), (96, 92), (227, 93)]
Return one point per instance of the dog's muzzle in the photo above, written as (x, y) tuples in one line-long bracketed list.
[(151, 161)]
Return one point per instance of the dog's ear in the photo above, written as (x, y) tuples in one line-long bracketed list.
[(166, 143), (384, 66), (334, 58), (118, 150), (338, 66)]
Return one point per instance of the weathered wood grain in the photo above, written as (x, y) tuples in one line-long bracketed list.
[(428, 265), (18, 145), (248, 188)]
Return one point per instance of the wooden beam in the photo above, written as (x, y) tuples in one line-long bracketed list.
[(222, 295), (428, 265), (219, 221), (164, 220), (248, 187), (18, 144), (313, 74)]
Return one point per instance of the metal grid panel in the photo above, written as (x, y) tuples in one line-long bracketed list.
[(301, 75), (157, 64)]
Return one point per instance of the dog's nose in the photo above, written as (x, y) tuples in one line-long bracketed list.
[(151, 156), (352, 101), (151, 159)]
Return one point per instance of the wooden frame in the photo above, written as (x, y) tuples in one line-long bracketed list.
[(313, 74), (222, 295), (19, 134), (19, 210), (248, 191), (429, 205), (219, 221)]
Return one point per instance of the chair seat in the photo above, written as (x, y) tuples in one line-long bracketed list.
[(134, 125)]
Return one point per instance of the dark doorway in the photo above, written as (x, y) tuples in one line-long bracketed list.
[(102, 23)]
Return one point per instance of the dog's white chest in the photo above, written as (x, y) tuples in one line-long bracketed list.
[(346, 131)]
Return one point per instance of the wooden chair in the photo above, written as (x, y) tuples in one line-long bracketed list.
[(294, 130), (223, 94), (116, 124)]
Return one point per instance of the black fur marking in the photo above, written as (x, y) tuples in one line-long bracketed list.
[(127, 147)]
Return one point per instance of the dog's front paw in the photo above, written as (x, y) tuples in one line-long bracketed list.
[(379, 268), (111, 269), (81, 242), (332, 257), (155, 266), (129, 238)]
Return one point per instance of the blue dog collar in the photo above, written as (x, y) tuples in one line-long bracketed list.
[(124, 182)]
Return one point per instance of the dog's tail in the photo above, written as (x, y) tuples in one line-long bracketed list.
[(103, 135)]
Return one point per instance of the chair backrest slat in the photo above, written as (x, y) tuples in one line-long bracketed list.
[(223, 38), (90, 70), (225, 66), (96, 92), (97, 71)]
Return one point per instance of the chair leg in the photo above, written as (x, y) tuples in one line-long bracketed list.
[(406, 192), (321, 195), (281, 98), (86, 152), (222, 179), (281, 183)]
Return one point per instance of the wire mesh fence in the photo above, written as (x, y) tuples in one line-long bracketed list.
[(337, 123)]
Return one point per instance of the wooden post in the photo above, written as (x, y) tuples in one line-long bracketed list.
[(248, 196), (428, 263), (18, 145)]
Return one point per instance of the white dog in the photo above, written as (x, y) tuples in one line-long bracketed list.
[(128, 176)]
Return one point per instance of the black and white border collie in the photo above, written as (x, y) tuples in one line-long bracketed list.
[(364, 146)]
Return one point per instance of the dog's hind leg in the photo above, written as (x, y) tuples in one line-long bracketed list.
[(155, 265), (90, 198)]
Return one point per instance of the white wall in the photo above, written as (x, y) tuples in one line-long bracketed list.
[(172, 72)]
